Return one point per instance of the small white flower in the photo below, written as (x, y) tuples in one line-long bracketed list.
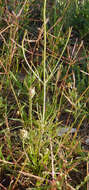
[(32, 92), (23, 133)]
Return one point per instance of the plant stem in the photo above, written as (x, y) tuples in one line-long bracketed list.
[(44, 61), (30, 110)]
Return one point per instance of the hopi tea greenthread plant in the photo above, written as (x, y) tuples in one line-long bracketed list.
[(43, 113)]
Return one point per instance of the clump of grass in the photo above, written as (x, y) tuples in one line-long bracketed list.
[(41, 110)]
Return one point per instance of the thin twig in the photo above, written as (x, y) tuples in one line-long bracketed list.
[(31, 175), (20, 12), (52, 158)]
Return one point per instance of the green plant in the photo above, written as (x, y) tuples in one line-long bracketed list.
[(78, 17), (42, 102)]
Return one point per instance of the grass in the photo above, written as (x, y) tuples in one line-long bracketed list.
[(44, 91)]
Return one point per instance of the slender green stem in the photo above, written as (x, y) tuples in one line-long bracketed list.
[(44, 60), (30, 110)]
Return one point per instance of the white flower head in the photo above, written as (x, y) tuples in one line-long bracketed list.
[(23, 134), (32, 92)]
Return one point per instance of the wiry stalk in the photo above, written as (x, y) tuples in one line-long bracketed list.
[(44, 60), (30, 110)]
